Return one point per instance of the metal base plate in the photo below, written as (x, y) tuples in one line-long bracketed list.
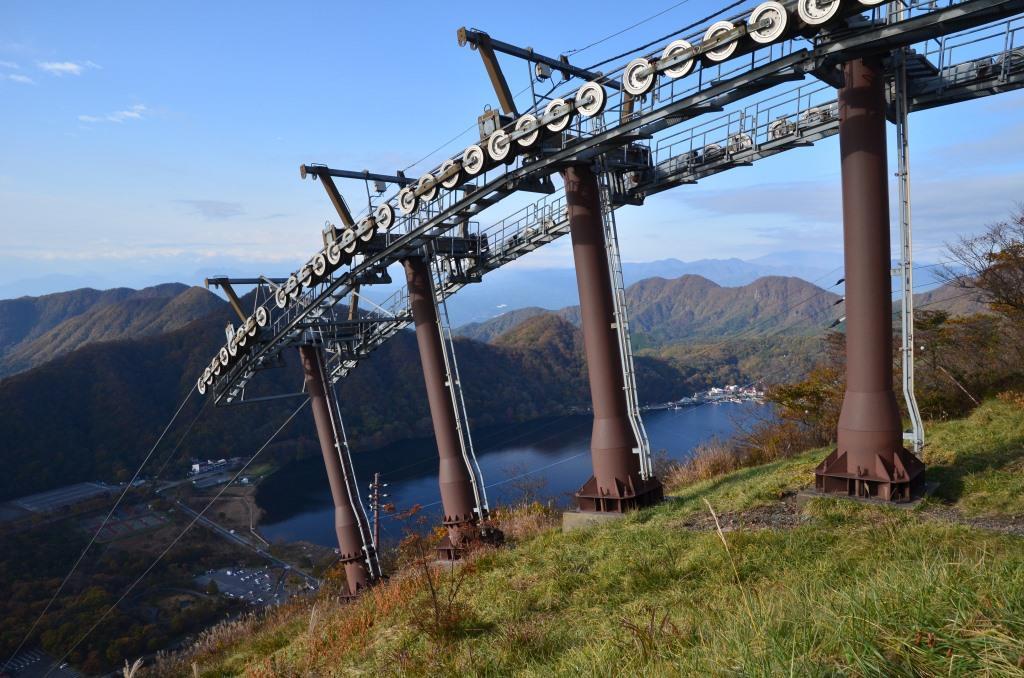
[(631, 496), (804, 496), (448, 550), (899, 481)]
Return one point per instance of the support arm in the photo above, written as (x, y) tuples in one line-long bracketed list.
[(323, 170), (229, 291), (339, 202), (493, 68), (476, 39)]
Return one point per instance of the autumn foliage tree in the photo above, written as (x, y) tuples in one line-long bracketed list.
[(960, 360), (992, 263)]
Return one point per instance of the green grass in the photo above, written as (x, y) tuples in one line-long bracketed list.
[(748, 487), (261, 469), (855, 589), (979, 461)]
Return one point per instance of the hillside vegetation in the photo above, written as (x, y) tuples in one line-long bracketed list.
[(691, 308), (94, 413), (730, 576), (768, 331), (34, 330)]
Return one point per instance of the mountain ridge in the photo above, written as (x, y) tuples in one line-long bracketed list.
[(690, 307), (34, 330), (92, 413)]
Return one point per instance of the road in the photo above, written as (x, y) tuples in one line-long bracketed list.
[(241, 541)]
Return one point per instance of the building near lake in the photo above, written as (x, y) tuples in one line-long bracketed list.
[(208, 466)]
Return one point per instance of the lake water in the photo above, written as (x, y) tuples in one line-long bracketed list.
[(550, 457)]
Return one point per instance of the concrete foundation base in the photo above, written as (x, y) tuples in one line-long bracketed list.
[(580, 520), (804, 496)]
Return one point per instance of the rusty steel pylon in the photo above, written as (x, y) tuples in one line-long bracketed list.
[(354, 542), (617, 484), (870, 460), (464, 513)]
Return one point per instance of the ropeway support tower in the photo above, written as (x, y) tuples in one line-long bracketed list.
[(752, 85)]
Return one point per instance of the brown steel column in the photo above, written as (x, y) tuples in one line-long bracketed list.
[(616, 485), (869, 460), (349, 520), (457, 498)]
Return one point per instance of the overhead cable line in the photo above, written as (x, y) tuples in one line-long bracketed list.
[(626, 29), (163, 553), (103, 524), (652, 43), (188, 429)]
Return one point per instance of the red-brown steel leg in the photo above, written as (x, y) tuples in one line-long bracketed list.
[(870, 460), (616, 485)]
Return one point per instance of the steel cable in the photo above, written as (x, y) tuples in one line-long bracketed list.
[(106, 519), (626, 29), (163, 553)]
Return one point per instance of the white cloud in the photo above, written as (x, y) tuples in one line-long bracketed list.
[(135, 112), (23, 79), (9, 64), (60, 68), (214, 210)]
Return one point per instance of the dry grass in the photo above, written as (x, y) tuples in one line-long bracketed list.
[(1012, 398), (427, 601), (763, 443), (709, 460), (525, 520)]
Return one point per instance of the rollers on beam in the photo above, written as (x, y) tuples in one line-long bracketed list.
[(769, 22)]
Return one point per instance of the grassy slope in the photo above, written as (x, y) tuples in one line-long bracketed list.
[(851, 589)]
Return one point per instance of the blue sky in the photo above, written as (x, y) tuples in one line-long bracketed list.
[(160, 141)]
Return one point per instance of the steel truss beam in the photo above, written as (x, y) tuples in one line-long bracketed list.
[(874, 39)]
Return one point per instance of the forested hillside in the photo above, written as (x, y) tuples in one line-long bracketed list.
[(94, 413), (36, 329), (690, 308)]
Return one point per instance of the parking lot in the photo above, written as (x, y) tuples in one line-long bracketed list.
[(257, 586), (35, 664)]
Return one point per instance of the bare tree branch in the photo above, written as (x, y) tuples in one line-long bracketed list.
[(992, 264)]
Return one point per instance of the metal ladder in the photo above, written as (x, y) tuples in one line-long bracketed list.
[(370, 547), (345, 457), (611, 239), (905, 269), (454, 383)]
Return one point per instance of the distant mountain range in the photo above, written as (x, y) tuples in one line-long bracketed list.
[(693, 308), (92, 376), (518, 287), (93, 413), (34, 330), (515, 287), (951, 299)]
